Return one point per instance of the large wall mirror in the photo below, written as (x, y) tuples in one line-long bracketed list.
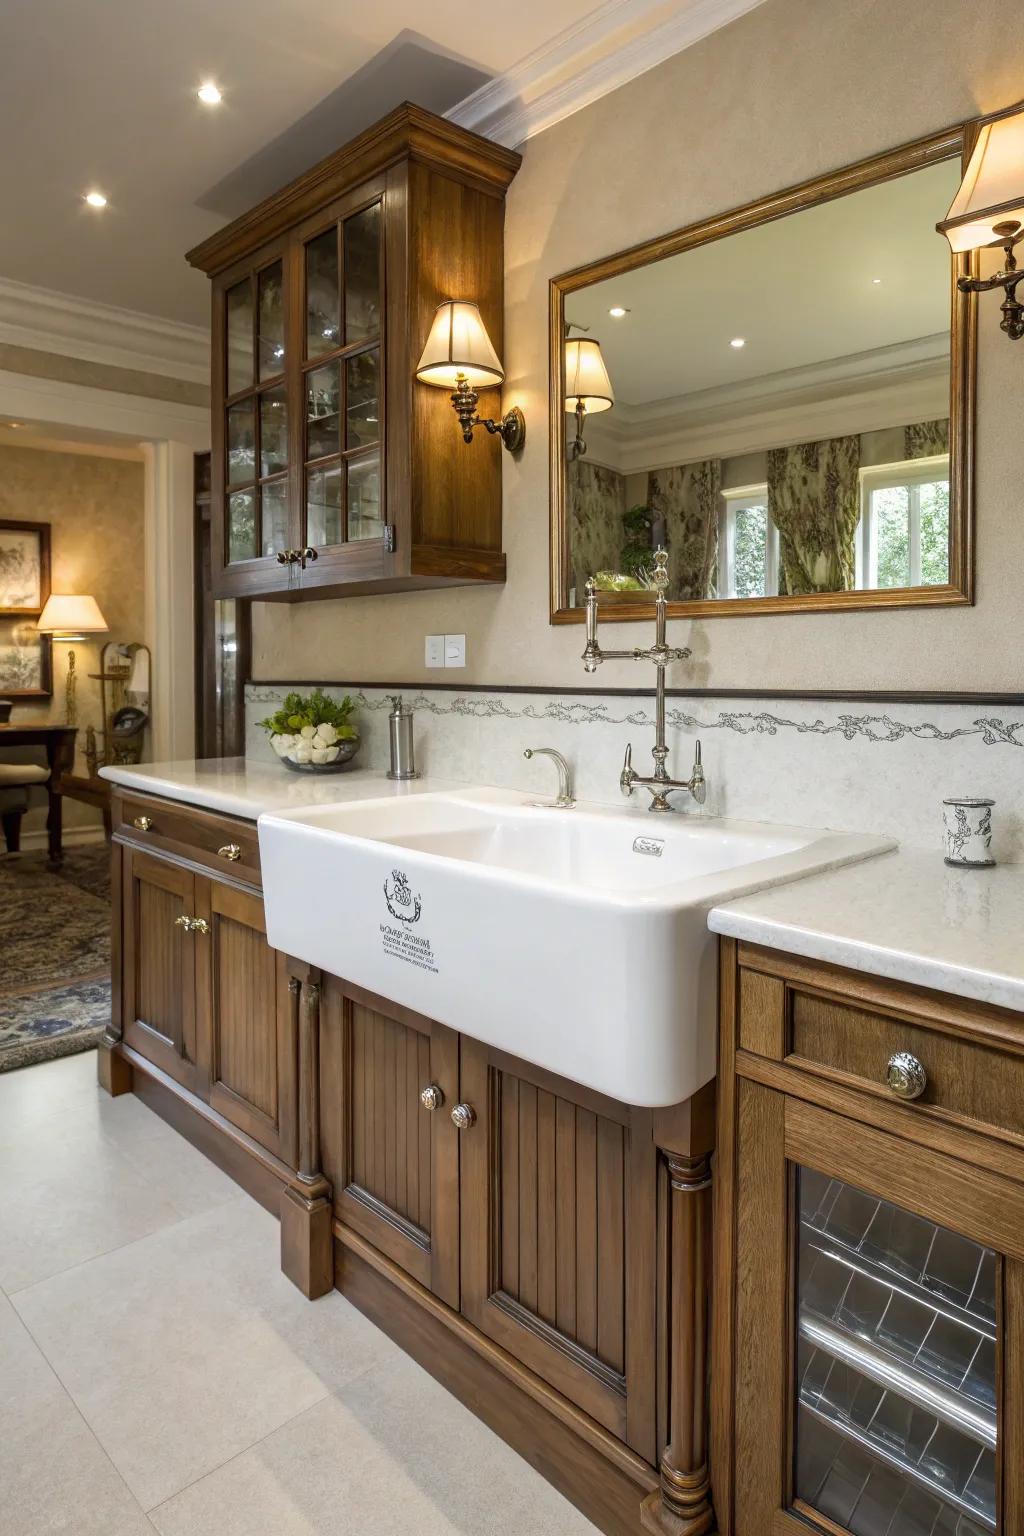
[(782, 397)]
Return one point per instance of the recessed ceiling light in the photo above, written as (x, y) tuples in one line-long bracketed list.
[(738, 341), (617, 311), (95, 199), (209, 94), (14, 425), (875, 281)]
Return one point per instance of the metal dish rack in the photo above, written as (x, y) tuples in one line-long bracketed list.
[(896, 1368)]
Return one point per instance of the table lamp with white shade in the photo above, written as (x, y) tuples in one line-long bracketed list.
[(70, 617)]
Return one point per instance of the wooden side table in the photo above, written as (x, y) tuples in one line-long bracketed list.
[(90, 791)]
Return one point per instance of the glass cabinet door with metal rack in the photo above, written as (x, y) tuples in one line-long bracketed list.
[(878, 1355)]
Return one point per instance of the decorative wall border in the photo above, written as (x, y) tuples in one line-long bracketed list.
[(876, 728)]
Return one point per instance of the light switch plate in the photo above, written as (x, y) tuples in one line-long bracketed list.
[(455, 650), (433, 651)]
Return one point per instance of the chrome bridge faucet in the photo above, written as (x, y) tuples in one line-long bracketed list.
[(659, 784)]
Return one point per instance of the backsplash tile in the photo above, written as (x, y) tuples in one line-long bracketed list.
[(847, 766)]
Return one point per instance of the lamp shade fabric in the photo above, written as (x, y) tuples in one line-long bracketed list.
[(71, 616), (586, 377), (459, 347), (992, 191)]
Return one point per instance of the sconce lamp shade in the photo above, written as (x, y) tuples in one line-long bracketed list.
[(458, 348), (586, 377), (992, 191), (71, 618)]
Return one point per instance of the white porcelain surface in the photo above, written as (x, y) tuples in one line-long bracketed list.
[(241, 786), (576, 939), (908, 916)]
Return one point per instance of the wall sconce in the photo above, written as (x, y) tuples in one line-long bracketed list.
[(71, 618), (988, 210), (459, 356), (588, 389)]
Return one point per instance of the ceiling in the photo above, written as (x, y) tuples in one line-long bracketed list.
[(102, 94), (799, 291)]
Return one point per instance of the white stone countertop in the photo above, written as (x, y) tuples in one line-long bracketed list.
[(905, 915), (238, 787)]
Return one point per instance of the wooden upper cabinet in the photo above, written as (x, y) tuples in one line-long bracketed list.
[(334, 471)]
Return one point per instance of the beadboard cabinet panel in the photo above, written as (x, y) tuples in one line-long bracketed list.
[(158, 976)]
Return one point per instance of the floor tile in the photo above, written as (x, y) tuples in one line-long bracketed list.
[(67, 1194), (391, 1452), (33, 1098), (187, 1347), (170, 1164), (54, 1475)]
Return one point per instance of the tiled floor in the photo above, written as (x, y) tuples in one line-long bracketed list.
[(158, 1373)]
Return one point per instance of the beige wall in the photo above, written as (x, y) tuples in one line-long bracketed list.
[(94, 504), (787, 92)]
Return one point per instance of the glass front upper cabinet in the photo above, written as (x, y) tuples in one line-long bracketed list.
[(895, 1360), (343, 381), (256, 416)]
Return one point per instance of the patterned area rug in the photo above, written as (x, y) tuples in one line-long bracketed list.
[(54, 956)]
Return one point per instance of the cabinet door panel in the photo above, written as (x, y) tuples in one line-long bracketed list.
[(158, 960), (558, 1226), (249, 1020), (393, 1162)]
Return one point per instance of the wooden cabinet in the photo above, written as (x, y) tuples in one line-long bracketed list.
[(558, 1197), (202, 995), (248, 1006), (870, 1350), (158, 979), (393, 1160), (334, 471)]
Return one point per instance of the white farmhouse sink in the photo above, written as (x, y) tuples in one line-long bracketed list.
[(575, 939)]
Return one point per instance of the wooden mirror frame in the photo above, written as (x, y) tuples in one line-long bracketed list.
[(621, 607)]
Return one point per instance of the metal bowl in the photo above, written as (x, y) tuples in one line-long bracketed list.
[(346, 752)]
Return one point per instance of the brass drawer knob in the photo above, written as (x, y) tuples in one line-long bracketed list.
[(432, 1097), (183, 922), (905, 1076), (230, 851), (463, 1116), (143, 823)]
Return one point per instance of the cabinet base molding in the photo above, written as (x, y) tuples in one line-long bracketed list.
[(307, 1241), (592, 1469), (112, 1071), (258, 1172), (681, 1506)]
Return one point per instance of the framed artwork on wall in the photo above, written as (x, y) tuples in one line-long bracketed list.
[(24, 567), (25, 660)]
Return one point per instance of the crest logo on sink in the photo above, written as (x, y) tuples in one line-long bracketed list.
[(400, 899)]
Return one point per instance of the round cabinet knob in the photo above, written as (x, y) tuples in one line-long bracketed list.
[(463, 1116), (142, 823), (431, 1097), (905, 1076)]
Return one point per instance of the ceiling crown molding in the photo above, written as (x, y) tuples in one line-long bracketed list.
[(46, 321), (605, 49)]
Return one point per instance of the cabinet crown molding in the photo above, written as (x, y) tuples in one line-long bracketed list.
[(407, 133)]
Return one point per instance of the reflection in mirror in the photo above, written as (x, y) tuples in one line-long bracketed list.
[(775, 408)]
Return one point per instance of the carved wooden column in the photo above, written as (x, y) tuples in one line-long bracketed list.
[(113, 1072), (307, 1243), (682, 1505)]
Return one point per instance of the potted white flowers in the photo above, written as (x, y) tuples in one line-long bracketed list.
[(313, 733)]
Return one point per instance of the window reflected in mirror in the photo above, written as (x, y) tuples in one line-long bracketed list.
[(777, 407)]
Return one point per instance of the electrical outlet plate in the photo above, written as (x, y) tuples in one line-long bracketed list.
[(433, 651), (455, 650)]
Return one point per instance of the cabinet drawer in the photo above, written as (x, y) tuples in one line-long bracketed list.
[(221, 843), (967, 1079)]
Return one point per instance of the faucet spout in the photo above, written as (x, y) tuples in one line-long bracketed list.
[(565, 798)]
